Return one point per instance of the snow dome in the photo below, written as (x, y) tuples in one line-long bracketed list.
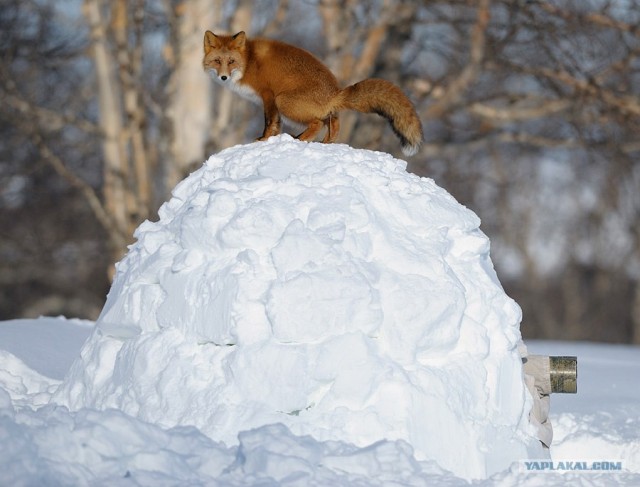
[(323, 288)]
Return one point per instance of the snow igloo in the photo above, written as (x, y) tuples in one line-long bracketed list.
[(321, 287)]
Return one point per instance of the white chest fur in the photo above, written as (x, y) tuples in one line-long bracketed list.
[(233, 83)]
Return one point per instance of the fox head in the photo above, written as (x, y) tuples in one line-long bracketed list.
[(224, 56)]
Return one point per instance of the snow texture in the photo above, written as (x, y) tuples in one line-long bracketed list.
[(48, 445), (323, 288), (302, 314)]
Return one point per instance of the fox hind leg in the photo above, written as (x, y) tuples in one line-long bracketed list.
[(333, 128), (312, 130), (308, 107), (331, 123)]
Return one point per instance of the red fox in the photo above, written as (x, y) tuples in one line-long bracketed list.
[(293, 84)]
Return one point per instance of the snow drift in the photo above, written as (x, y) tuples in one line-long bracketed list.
[(321, 287)]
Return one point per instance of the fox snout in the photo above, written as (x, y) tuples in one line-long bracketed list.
[(223, 75), (221, 78)]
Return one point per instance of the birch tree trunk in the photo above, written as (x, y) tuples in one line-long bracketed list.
[(128, 40), (189, 88), (109, 101)]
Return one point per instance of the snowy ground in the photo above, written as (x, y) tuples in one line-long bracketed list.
[(42, 444), (321, 287), (305, 314)]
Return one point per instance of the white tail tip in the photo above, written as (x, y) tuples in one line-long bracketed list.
[(410, 149)]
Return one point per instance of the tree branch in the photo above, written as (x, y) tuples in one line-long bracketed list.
[(595, 18), (454, 91), (625, 104), (117, 239), (541, 108), (52, 120)]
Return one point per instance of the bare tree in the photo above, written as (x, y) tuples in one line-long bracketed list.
[(118, 67), (188, 91), (531, 112), (50, 258), (529, 82)]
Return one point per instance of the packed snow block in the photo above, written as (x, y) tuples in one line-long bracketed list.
[(323, 288)]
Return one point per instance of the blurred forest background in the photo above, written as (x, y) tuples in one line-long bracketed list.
[(531, 112)]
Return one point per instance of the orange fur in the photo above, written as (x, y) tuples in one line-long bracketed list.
[(290, 82)]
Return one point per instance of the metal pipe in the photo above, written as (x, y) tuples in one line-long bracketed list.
[(563, 373)]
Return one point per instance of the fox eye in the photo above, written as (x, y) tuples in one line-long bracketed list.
[(231, 61), (216, 60)]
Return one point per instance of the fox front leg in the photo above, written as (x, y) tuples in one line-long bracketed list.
[(272, 121)]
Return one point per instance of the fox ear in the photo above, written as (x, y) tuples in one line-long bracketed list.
[(239, 40), (211, 42)]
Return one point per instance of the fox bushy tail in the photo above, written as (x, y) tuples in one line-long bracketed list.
[(386, 99)]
